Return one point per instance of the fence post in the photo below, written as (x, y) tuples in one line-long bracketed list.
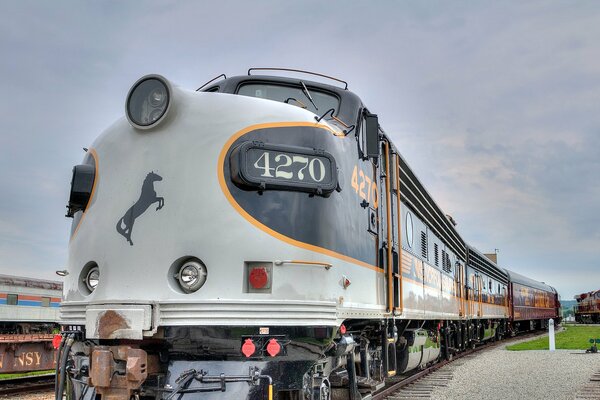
[(551, 334)]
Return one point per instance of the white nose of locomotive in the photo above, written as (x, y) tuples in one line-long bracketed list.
[(152, 224)]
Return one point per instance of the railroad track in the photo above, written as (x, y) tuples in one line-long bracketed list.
[(28, 384), (591, 390), (421, 384)]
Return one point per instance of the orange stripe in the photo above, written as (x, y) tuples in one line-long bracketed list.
[(95, 157), (259, 225), (28, 297), (2, 295), (398, 198)]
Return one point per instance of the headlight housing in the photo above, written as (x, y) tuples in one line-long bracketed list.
[(92, 278), (191, 276), (148, 101)]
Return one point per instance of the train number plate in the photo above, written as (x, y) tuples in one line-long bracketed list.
[(264, 166)]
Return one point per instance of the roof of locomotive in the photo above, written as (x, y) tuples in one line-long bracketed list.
[(480, 261), (350, 103), (523, 280), (21, 281), (587, 295)]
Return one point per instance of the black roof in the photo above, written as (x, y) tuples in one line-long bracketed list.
[(477, 260), (525, 281)]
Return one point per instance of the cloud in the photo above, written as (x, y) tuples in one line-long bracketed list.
[(492, 103)]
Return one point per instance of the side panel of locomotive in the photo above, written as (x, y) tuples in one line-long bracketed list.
[(587, 309)]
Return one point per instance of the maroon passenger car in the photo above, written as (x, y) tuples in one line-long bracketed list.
[(532, 303)]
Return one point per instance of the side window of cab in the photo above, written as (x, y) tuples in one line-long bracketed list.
[(361, 136)]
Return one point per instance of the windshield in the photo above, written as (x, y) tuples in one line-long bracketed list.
[(321, 101)]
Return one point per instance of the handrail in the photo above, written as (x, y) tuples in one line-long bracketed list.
[(300, 71), (327, 266)]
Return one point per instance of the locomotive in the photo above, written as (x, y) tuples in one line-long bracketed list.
[(587, 309), (263, 238)]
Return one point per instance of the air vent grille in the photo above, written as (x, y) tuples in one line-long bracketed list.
[(436, 256), (424, 245), (446, 261)]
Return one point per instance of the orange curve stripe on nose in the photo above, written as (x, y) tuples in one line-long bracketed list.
[(95, 157), (261, 226)]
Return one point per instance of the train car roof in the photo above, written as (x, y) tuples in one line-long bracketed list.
[(523, 280), (21, 281), (481, 262)]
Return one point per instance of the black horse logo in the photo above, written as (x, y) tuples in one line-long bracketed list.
[(148, 197)]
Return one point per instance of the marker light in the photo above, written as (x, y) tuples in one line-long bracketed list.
[(192, 276), (258, 277), (148, 101), (56, 341), (343, 329), (248, 348), (273, 347), (92, 278)]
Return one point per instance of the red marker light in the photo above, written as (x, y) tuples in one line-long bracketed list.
[(56, 341), (273, 348), (248, 347), (258, 278), (343, 329)]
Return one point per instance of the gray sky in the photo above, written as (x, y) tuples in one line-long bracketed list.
[(494, 105)]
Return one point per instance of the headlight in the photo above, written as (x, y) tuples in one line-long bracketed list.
[(148, 101), (92, 278), (191, 276)]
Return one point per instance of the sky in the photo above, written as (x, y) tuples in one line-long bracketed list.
[(493, 104)]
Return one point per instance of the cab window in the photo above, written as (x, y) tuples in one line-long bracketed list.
[(292, 95)]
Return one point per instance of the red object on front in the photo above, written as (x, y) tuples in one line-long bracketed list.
[(258, 278), (248, 348), (273, 348), (342, 329), (56, 341)]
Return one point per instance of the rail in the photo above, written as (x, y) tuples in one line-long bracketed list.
[(28, 384), (389, 392)]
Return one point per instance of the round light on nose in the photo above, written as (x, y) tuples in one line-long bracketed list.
[(192, 276), (148, 101), (92, 278)]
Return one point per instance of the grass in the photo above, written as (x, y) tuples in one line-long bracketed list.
[(22, 374), (570, 338)]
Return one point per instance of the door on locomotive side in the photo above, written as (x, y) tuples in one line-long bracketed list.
[(391, 245), (378, 170), (459, 279), (366, 184)]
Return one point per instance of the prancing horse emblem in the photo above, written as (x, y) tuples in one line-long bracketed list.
[(148, 197)]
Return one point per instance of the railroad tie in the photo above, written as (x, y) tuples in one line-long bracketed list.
[(591, 390), (424, 387)]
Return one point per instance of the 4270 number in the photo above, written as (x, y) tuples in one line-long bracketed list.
[(364, 186), (315, 166)]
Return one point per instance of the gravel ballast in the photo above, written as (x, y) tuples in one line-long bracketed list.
[(534, 374)]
